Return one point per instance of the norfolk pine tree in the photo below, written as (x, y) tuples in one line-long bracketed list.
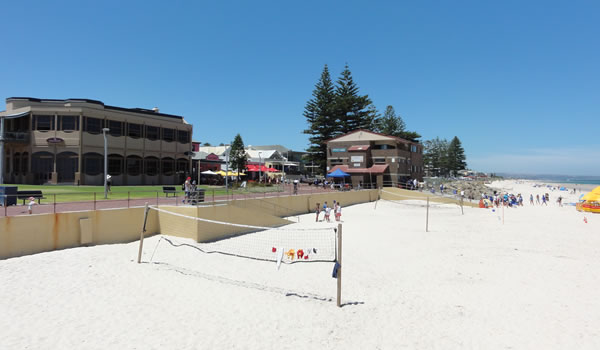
[(319, 114), (456, 156), (351, 109), (237, 155)]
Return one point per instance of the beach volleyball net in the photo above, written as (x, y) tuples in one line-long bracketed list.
[(287, 245), (421, 201)]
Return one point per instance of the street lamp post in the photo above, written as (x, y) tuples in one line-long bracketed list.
[(104, 131), (227, 169), (259, 167)]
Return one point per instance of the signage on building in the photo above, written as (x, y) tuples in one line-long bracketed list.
[(356, 165), (356, 159), (54, 140), (338, 150)]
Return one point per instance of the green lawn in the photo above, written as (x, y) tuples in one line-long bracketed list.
[(86, 193)]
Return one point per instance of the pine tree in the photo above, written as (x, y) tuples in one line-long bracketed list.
[(390, 124), (319, 113), (352, 110), (435, 156), (237, 155), (456, 156)]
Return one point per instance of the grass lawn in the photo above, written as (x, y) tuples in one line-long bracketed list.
[(86, 193)]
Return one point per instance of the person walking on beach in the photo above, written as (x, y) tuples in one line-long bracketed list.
[(537, 198), (317, 211), (338, 212), (531, 199), (544, 200), (327, 213)]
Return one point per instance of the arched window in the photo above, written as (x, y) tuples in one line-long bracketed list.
[(93, 164), (134, 165), (151, 165), (115, 164), (168, 166)]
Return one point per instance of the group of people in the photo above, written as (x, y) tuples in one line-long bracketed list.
[(336, 208), (511, 200)]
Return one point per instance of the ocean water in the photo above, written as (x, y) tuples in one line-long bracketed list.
[(576, 181)]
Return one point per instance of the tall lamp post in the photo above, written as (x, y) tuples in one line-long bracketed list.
[(259, 167), (227, 169), (104, 131)]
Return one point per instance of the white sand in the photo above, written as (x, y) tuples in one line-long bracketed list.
[(470, 282)]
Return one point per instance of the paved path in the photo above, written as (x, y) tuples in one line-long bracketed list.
[(48, 207)]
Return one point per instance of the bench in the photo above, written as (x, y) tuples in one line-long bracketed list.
[(169, 189), (24, 195)]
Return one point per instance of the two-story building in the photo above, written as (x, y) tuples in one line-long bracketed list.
[(378, 159), (62, 141)]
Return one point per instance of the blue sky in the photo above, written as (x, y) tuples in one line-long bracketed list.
[(517, 81)]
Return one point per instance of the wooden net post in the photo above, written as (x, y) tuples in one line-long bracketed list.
[(142, 233), (461, 205), (427, 217), (339, 272)]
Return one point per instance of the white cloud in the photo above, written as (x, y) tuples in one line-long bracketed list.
[(564, 161)]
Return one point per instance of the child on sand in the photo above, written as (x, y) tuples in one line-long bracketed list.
[(338, 212), (327, 212)]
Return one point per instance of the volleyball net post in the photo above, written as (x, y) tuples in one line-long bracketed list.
[(427, 216), (339, 262), (143, 231)]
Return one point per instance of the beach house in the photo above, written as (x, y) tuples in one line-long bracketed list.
[(373, 158)]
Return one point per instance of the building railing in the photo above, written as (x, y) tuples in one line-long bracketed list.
[(16, 136)]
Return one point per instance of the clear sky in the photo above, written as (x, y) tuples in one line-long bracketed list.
[(517, 81)]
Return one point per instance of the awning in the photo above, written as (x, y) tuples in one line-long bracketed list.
[(358, 148), (375, 169), (208, 172), (229, 173)]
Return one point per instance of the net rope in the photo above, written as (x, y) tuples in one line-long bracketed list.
[(409, 201), (290, 244)]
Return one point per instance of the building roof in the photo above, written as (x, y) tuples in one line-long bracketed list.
[(95, 102), (375, 169), (279, 148), (366, 135), (218, 150)]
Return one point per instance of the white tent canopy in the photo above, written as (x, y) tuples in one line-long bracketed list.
[(208, 172)]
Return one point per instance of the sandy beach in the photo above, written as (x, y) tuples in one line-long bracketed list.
[(529, 281)]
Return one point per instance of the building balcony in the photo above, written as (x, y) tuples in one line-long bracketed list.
[(17, 136)]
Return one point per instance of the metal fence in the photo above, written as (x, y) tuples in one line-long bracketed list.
[(18, 204)]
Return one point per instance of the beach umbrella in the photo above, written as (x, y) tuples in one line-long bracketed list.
[(593, 195)]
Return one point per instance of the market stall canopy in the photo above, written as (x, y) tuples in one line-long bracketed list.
[(209, 172), (338, 173), (272, 170), (256, 168)]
